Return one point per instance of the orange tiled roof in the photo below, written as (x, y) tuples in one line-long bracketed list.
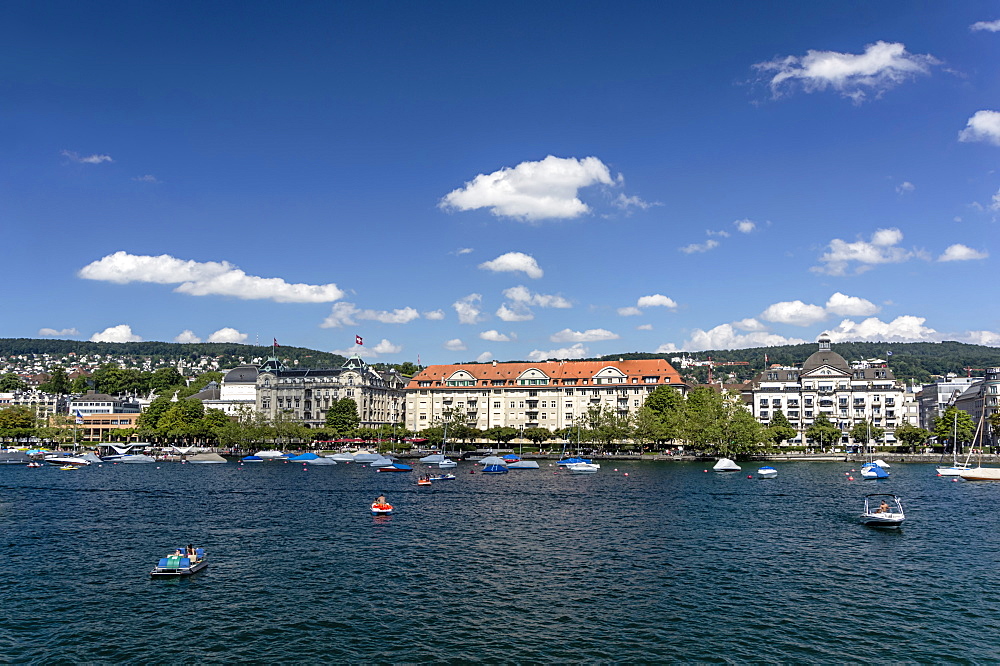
[(557, 370)]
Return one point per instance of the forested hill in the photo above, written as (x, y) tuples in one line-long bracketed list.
[(228, 353), (918, 361)]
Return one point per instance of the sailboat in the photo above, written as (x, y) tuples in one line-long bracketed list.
[(873, 469), (979, 473), (956, 468)]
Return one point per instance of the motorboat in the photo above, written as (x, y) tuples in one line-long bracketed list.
[(35, 463), (442, 477), (138, 458), (381, 461), (873, 471), (251, 459), (395, 467), (341, 457), (493, 465), (366, 456), (882, 510), (726, 465), (767, 472), (206, 459), (180, 565), (66, 468), (381, 508), (523, 464), (433, 458), (447, 463), (583, 468), (423, 481), (320, 460), (74, 461), (981, 474), (271, 454), (572, 461)]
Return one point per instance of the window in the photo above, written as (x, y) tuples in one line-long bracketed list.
[(496, 404)]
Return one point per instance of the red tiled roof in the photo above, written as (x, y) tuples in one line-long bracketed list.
[(557, 370)]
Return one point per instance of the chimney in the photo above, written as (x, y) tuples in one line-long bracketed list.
[(494, 364)]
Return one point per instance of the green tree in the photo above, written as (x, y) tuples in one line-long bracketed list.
[(164, 378), (58, 381), (407, 368), (111, 379), (150, 417), (865, 431), (10, 382), (183, 421), (342, 418), (994, 421), (823, 432), (80, 384), (954, 424), (500, 435), (648, 427), (911, 435), (779, 429), (17, 422), (668, 405), (537, 435)]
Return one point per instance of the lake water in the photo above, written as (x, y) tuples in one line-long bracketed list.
[(668, 563)]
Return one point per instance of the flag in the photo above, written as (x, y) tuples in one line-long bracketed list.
[(79, 417), (889, 353), (358, 340), (276, 342)]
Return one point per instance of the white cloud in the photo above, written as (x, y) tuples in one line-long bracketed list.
[(434, 315), (959, 252), (628, 203), (88, 159), (699, 247), (386, 347), (469, 309), (906, 328), (725, 336), (187, 336), (521, 294), (796, 313), (347, 314), (532, 191), (513, 262), (720, 233), (204, 279), (484, 357), (749, 324), (982, 126), (383, 347), (644, 327), (745, 226), (989, 26), (516, 312), (656, 300), (463, 250), (630, 311), (227, 334), (574, 352), (905, 186), (455, 345), (879, 68), (119, 333), (590, 335), (881, 250), (63, 332), (494, 336), (850, 306), (988, 338), (148, 178)]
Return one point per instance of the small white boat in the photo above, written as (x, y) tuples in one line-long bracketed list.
[(341, 457), (271, 455), (981, 474), (882, 510), (447, 463), (873, 471), (180, 565), (138, 458), (433, 458), (767, 472), (583, 468), (381, 509), (726, 465)]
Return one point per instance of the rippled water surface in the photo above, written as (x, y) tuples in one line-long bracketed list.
[(668, 563)]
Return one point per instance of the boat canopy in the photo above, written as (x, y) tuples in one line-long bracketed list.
[(492, 460), (303, 457)]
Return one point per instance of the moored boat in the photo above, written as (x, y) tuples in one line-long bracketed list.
[(179, 564), (381, 508), (767, 472), (726, 465), (583, 468), (442, 477), (882, 510), (873, 471), (395, 467)]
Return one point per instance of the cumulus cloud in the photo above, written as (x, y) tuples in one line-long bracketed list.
[(383, 347), (590, 335), (227, 334), (699, 247), (514, 262), (796, 313), (745, 226), (749, 324), (850, 306), (982, 126), (521, 294), (515, 312), (88, 159), (905, 186), (455, 345), (148, 178), (119, 333), (644, 327), (494, 336), (532, 191), (574, 352), (347, 314), (61, 333), (469, 309), (187, 336), (725, 336), (988, 26), (434, 315), (656, 300), (959, 252), (881, 66), (630, 311), (204, 279), (882, 249), (906, 328), (484, 357), (628, 203), (988, 338)]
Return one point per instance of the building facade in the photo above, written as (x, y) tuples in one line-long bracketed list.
[(43, 404), (549, 394), (827, 384), (935, 398), (305, 395)]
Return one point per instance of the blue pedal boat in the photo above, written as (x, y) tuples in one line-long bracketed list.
[(178, 565)]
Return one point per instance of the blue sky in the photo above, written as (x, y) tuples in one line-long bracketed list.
[(462, 181)]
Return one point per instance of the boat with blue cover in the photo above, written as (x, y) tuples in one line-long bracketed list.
[(767, 472), (179, 564), (873, 470)]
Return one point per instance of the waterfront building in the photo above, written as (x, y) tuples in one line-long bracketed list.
[(237, 395), (305, 395), (981, 400), (547, 394), (43, 404), (936, 397), (827, 384), (100, 403)]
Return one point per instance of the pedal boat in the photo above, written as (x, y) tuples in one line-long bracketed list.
[(178, 565)]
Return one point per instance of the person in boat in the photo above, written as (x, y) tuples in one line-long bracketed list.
[(380, 500), (883, 508), (191, 552)]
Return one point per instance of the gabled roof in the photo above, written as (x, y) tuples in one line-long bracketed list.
[(556, 370)]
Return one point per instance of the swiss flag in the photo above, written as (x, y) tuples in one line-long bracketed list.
[(358, 340)]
